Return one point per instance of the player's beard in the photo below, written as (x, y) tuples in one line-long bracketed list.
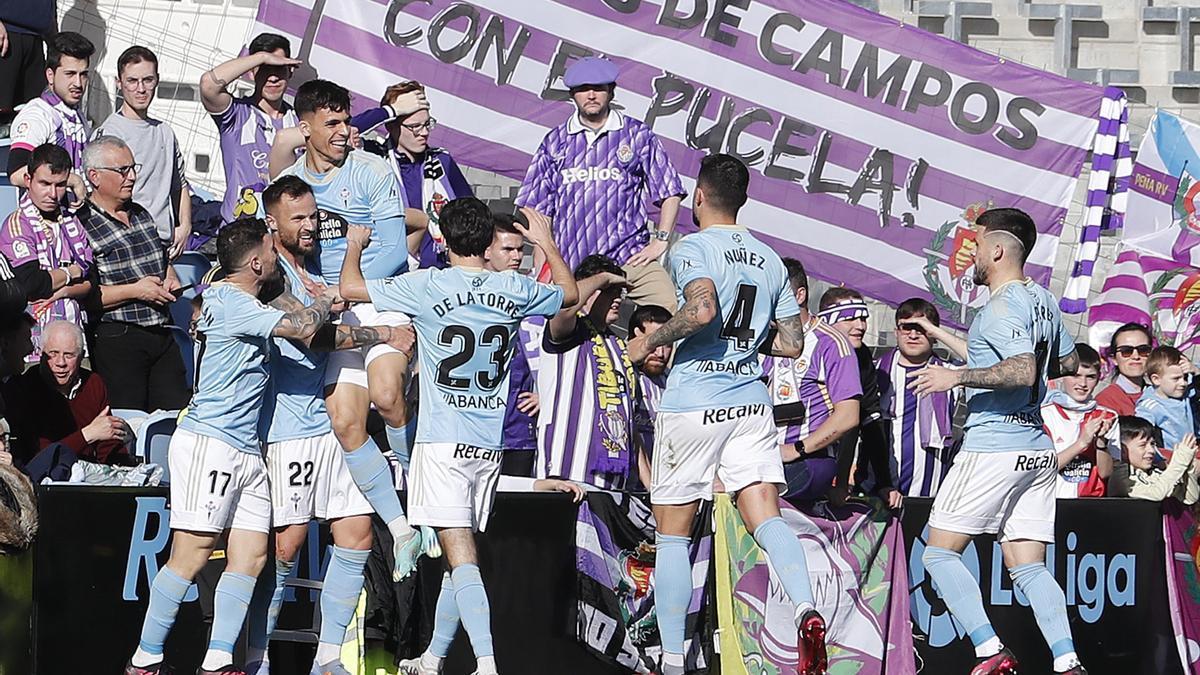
[(980, 275)]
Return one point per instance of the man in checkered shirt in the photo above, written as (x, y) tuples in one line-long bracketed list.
[(592, 175), (134, 351)]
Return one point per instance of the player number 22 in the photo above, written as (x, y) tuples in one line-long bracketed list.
[(496, 337), (737, 326)]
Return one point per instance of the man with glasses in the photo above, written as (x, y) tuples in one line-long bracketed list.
[(592, 175), (162, 187), (1129, 348), (134, 350), (1004, 478), (247, 125), (587, 386), (430, 176), (919, 429)]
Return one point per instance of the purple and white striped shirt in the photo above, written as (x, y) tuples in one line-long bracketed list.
[(585, 426), (920, 428), (826, 373), (246, 132), (46, 119)]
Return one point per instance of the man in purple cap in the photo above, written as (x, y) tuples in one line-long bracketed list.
[(591, 175)]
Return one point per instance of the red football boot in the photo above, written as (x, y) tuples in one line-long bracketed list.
[(1003, 663), (811, 643)]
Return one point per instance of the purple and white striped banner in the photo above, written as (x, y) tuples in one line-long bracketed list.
[(872, 141), (1153, 291)]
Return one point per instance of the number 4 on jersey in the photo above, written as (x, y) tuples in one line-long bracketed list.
[(737, 326)]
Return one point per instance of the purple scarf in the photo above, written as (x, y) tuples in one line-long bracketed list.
[(71, 131), (934, 424)]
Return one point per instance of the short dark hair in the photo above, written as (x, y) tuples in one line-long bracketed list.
[(724, 179), (317, 95), (796, 275), (292, 186), (135, 54), (1134, 427), (1087, 355), (503, 222), (269, 42), (68, 43), (466, 223), (1013, 221), (644, 314), (49, 154), (237, 239), (1161, 358), (595, 264), (918, 307), (836, 295), (1129, 328)]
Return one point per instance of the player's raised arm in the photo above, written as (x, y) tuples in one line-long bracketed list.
[(539, 232), (301, 323), (700, 307), (787, 338), (352, 284), (1011, 373), (283, 150)]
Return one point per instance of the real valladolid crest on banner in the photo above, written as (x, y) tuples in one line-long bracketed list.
[(949, 266)]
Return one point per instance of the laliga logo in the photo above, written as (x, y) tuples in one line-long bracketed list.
[(594, 173), (1094, 581)]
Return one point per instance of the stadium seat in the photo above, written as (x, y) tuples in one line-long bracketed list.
[(154, 439)]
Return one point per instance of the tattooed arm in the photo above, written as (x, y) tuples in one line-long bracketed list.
[(301, 323), (1067, 365), (1011, 373), (787, 339), (333, 337), (699, 309)]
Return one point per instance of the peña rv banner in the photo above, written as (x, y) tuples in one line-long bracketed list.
[(872, 143)]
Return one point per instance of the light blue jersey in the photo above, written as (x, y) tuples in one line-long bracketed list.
[(363, 191), (719, 365), (233, 345), (1020, 318), (295, 406), (465, 320)]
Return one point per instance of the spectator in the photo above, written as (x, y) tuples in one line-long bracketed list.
[(585, 425), (162, 187), (652, 380), (1165, 402), (591, 175), (846, 311), (134, 350), (816, 399), (1129, 348), (56, 116), (920, 430), (64, 403), (520, 415), (247, 125), (24, 25), (1143, 476), (430, 176), (46, 242), (1081, 430)]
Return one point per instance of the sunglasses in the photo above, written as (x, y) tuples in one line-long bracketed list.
[(1128, 350)]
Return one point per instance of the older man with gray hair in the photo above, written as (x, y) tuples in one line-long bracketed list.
[(133, 349), (60, 402)]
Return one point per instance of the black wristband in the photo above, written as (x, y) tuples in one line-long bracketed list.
[(799, 446)]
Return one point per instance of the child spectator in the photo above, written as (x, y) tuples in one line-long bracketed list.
[(1164, 403), (1143, 476), (1081, 430)]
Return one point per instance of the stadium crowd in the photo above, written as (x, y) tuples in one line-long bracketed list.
[(622, 374)]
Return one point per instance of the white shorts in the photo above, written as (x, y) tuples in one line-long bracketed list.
[(349, 366), (690, 448), (309, 479), (452, 485), (215, 486), (1010, 493)]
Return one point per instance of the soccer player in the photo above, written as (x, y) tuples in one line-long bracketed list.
[(1003, 480), (220, 480), (305, 467), (247, 126), (466, 318), (592, 175), (357, 188), (715, 415)]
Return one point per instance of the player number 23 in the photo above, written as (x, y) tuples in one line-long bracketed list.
[(495, 337)]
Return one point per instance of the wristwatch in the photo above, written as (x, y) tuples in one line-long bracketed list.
[(662, 235), (799, 445)]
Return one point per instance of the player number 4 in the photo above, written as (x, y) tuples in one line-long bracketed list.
[(737, 326)]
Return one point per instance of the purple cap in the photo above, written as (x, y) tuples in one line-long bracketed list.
[(590, 70)]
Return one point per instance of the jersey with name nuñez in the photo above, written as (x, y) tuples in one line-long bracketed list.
[(466, 319), (719, 366)]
